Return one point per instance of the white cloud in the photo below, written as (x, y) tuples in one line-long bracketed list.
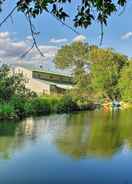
[(29, 37), (10, 48), (126, 36), (79, 38), (4, 35), (48, 51), (11, 51), (58, 41)]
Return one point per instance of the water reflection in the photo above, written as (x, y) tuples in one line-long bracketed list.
[(14, 136), (80, 135), (97, 134)]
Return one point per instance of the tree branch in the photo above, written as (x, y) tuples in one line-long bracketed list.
[(63, 23), (102, 25), (123, 10), (28, 51), (102, 34), (33, 34), (8, 16)]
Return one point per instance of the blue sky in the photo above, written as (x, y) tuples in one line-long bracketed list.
[(118, 34)]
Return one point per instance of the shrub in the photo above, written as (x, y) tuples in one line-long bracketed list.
[(40, 106), (7, 111), (66, 104), (18, 103), (53, 101), (28, 108), (21, 107), (13, 84)]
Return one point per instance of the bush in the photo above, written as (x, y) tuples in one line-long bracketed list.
[(53, 101), (45, 105), (7, 111), (18, 103), (28, 108), (39, 106), (65, 105), (21, 107)]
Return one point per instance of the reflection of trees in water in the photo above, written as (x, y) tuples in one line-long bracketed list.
[(77, 135), (7, 138), (73, 139), (14, 136), (96, 134)]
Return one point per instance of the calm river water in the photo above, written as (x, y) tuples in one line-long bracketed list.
[(81, 148)]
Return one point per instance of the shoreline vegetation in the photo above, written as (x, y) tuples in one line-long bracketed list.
[(101, 78), (19, 108), (18, 102)]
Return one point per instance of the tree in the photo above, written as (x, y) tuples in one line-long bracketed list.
[(12, 85), (96, 71), (84, 16), (75, 56), (125, 83), (106, 65), (87, 12)]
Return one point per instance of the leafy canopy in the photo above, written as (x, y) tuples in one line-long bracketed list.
[(75, 57), (106, 65), (96, 71), (12, 85), (125, 83), (86, 10)]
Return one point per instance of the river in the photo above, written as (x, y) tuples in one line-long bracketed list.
[(81, 148)]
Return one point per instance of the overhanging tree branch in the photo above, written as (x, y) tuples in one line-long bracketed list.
[(63, 23), (33, 34), (102, 24), (8, 16)]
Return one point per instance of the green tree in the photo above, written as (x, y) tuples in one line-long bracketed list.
[(96, 71), (125, 83), (76, 57), (12, 85), (106, 65), (84, 8), (86, 12)]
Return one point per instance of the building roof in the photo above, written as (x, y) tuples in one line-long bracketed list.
[(54, 73), (63, 86)]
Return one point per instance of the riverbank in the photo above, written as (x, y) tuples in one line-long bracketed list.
[(109, 106), (19, 108)]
